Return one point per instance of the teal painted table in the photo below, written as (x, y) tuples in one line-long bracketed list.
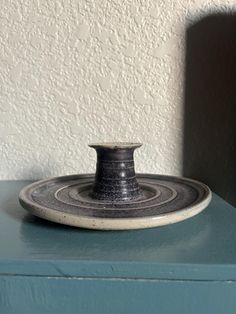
[(189, 267)]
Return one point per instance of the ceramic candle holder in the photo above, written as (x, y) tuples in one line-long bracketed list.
[(115, 198)]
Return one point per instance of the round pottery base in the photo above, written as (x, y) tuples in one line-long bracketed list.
[(67, 200)]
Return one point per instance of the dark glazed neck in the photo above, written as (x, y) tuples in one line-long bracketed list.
[(115, 178)]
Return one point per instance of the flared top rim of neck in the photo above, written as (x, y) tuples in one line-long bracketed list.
[(115, 145)]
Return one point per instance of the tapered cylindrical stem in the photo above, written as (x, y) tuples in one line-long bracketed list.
[(115, 178)]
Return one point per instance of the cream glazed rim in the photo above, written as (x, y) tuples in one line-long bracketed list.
[(97, 223)]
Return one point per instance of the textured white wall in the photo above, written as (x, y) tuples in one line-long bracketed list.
[(75, 72)]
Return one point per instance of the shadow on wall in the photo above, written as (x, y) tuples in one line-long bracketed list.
[(210, 104)]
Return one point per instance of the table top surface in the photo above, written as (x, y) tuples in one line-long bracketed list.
[(200, 248)]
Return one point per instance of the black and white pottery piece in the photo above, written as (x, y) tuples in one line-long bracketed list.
[(115, 198)]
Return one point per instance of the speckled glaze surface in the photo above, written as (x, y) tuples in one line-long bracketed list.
[(115, 178), (115, 198)]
